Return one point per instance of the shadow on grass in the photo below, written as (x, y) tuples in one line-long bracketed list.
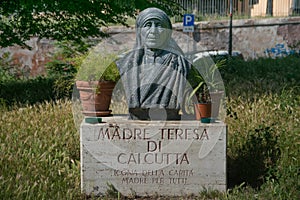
[(253, 158), (37, 90)]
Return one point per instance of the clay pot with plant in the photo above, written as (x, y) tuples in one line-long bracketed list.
[(207, 91), (95, 82)]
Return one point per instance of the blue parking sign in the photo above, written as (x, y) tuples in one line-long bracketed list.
[(188, 20), (188, 23)]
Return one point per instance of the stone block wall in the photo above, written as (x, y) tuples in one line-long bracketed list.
[(34, 59), (252, 37)]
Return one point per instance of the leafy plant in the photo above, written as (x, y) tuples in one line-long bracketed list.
[(205, 80), (99, 67), (71, 20), (64, 66)]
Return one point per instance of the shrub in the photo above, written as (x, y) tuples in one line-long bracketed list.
[(27, 91), (248, 79), (64, 66)]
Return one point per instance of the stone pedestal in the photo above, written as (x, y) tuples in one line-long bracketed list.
[(144, 158)]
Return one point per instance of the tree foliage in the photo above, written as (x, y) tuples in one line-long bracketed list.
[(67, 19)]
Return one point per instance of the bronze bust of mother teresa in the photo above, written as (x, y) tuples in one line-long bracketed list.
[(154, 73)]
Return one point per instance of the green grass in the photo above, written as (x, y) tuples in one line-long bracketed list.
[(40, 153), (39, 144)]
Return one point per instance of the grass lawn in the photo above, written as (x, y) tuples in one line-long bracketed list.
[(39, 143)]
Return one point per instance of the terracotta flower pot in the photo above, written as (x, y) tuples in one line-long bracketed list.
[(95, 97), (202, 110)]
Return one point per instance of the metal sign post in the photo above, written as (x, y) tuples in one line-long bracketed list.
[(188, 25), (230, 30)]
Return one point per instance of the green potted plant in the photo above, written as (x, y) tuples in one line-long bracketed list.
[(95, 81), (207, 89)]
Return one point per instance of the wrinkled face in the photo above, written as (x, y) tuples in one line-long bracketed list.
[(153, 34)]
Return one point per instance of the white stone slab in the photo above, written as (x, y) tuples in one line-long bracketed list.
[(170, 158)]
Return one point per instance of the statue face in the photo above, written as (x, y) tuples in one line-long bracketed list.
[(153, 34)]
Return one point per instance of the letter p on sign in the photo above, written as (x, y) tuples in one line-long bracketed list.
[(188, 20)]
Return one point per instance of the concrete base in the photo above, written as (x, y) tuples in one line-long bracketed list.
[(144, 158)]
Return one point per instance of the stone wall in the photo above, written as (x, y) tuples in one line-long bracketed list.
[(252, 37), (35, 59)]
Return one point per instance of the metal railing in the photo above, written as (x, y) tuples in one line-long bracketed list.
[(218, 9)]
